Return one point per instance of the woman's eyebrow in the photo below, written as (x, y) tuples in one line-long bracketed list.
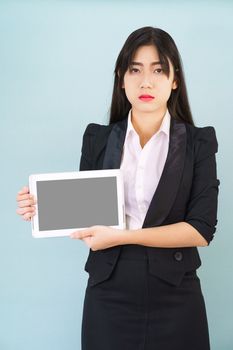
[(133, 63)]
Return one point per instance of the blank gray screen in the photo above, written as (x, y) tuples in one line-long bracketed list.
[(77, 203)]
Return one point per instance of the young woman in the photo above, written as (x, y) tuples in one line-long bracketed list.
[(143, 292)]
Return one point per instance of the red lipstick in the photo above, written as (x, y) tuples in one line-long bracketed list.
[(146, 98)]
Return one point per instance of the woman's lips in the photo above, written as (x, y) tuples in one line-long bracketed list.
[(146, 98)]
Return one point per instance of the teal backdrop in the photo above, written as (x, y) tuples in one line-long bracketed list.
[(56, 76)]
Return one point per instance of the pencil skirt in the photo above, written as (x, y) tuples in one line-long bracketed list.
[(134, 310)]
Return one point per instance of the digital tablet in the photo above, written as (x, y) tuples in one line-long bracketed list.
[(72, 201)]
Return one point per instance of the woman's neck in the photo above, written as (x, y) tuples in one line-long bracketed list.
[(147, 124)]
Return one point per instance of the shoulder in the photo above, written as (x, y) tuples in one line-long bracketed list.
[(204, 139), (93, 129), (95, 137)]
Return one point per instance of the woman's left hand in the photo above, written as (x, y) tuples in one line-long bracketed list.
[(100, 237)]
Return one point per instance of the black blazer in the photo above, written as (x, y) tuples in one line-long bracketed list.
[(187, 191)]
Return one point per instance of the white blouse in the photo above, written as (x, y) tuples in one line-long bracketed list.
[(142, 169)]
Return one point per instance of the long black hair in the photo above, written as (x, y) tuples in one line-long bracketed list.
[(178, 104)]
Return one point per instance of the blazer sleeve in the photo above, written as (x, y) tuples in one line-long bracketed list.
[(202, 205), (86, 160)]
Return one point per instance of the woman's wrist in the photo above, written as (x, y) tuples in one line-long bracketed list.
[(128, 237)]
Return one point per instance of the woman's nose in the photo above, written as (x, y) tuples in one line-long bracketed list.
[(146, 81)]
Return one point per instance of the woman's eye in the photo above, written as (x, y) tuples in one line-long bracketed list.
[(134, 70), (159, 70)]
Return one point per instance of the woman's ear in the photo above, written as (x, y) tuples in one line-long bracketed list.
[(123, 86), (174, 85)]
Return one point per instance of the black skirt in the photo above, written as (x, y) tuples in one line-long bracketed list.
[(134, 310)]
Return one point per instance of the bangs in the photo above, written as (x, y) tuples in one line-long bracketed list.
[(162, 58)]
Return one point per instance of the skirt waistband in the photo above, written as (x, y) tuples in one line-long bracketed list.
[(133, 252)]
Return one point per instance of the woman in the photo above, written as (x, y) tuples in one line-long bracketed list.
[(143, 291)]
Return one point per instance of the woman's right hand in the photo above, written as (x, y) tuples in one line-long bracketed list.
[(26, 204)]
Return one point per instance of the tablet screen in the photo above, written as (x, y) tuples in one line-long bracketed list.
[(71, 203)]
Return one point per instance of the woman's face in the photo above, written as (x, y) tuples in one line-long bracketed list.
[(145, 76)]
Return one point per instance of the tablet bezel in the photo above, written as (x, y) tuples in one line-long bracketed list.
[(34, 178)]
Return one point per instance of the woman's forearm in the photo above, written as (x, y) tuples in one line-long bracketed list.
[(180, 234)]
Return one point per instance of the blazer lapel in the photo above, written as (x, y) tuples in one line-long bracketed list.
[(168, 185), (169, 182), (115, 144)]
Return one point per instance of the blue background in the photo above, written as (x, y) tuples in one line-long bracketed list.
[(56, 75)]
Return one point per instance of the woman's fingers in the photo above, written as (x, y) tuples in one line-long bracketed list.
[(22, 211), (20, 197), (27, 216), (80, 234), (24, 190), (24, 198), (26, 202), (26, 213)]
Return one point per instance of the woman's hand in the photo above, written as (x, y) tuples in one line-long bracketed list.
[(26, 204), (100, 237)]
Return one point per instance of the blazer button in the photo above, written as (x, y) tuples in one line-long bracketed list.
[(178, 256)]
